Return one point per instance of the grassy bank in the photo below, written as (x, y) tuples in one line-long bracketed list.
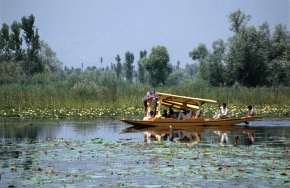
[(59, 100)]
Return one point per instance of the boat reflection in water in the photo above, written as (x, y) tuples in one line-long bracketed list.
[(171, 135), (195, 134)]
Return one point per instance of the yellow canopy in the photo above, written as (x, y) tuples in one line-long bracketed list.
[(176, 101)]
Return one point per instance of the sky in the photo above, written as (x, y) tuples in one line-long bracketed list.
[(84, 31)]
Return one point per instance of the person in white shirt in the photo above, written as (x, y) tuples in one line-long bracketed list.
[(224, 111)]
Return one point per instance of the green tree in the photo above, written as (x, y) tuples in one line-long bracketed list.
[(63, 75), (200, 54), (48, 57), (119, 66), (31, 37), (277, 66), (245, 60), (15, 42), (10, 70), (5, 51), (216, 67), (178, 65), (286, 61), (128, 66), (178, 78), (157, 64), (141, 69), (264, 37), (73, 79), (238, 19), (191, 69), (113, 66)]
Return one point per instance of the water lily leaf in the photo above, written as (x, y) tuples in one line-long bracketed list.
[(206, 154), (107, 143), (240, 169), (96, 176), (271, 177), (142, 164), (287, 167), (97, 141)]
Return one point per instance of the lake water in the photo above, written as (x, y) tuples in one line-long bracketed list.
[(14, 130), (106, 152)]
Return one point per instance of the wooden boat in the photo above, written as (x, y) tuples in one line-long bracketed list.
[(153, 101)]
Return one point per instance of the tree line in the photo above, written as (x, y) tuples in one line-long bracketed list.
[(22, 53), (250, 57)]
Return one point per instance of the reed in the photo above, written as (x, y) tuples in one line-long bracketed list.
[(258, 96), (59, 95)]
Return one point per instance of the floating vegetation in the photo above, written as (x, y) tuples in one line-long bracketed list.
[(239, 111), (66, 113), (208, 111), (103, 163)]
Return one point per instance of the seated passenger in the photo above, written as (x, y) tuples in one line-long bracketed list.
[(151, 115), (165, 115), (251, 112), (224, 111), (218, 114), (183, 116), (171, 114)]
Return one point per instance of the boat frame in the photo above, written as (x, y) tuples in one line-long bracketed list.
[(182, 103)]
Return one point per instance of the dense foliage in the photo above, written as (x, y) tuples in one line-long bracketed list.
[(15, 61), (237, 71)]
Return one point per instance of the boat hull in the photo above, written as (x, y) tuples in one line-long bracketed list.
[(189, 122)]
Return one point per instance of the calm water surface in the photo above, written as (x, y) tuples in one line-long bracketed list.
[(65, 153), (13, 130)]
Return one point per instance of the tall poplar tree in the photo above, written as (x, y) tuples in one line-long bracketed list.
[(5, 51), (119, 66), (15, 42), (141, 69), (31, 37), (128, 66)]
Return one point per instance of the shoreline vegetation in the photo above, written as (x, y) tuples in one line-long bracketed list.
[(252, 67), (57, 100)]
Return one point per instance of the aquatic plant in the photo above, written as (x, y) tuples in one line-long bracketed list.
[(58, 100), (208, 111), (102, 163)]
